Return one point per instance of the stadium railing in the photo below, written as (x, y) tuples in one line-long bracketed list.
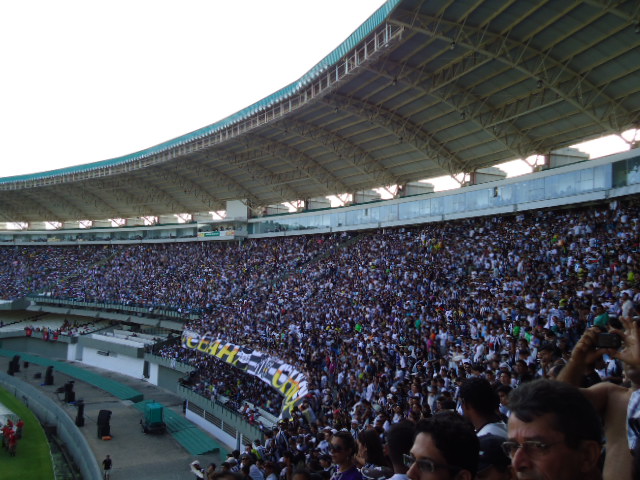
[(50, 413), (142, 310), (225, 419)]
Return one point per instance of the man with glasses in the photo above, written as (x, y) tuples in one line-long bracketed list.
[(553, 433), (445, 448)]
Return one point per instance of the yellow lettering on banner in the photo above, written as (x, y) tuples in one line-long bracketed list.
[(213, 348), (287, 384), (289, 387), (204, 343), (291, 398), (275, 380), (192, 342), (230, 353)]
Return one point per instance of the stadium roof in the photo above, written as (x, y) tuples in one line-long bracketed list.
[(421, 89)]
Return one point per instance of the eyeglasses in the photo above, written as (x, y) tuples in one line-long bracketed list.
[(532, 448), (426, 465), (336, 448)]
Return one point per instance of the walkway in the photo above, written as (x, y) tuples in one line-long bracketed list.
[(135, 455)]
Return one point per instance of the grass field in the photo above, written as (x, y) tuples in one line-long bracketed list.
[(33, 458)]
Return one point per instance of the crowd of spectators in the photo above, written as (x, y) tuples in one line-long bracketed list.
[(385, 324), (65, 327), (222, 383), (31, 270), (393, 322)]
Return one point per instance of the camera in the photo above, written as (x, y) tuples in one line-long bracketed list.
[(608, 340)]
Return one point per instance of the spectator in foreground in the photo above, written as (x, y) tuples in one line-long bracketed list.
[(609, 400), (480, 405), (343, 449), (370, 452), (493, 462), (445, 445), (253, 471), (554, 433), (399, 442)]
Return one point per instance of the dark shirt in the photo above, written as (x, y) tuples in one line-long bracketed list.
[(352, 474)]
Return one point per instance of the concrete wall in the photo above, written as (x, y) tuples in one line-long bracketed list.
[(115, 362), (53, 350), (166, 377), (237, 210)]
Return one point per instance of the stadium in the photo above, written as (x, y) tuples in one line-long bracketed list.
[(291, 268)]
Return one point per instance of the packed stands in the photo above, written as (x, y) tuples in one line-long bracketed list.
[(387, 321)]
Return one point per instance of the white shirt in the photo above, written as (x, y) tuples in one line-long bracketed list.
[(196, 469), (633, 419), (255, 473), (498, 429)]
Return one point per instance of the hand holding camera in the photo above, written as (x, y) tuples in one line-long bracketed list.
[(630, 354)]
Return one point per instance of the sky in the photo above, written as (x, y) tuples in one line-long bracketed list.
[(596, 148), (84, 81)]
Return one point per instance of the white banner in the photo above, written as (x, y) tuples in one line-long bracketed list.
[(291, 383)]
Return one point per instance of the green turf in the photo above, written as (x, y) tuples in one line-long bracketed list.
[(33, 457)]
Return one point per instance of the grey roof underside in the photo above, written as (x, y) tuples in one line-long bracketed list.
[(460, 85)]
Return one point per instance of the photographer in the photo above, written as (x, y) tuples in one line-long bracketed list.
[(610, 400)]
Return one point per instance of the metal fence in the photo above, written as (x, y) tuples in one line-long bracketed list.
[(51, 414), (221, 416), (159, 312)]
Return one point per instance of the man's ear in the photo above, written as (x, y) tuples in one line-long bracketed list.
[(591, 452)]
